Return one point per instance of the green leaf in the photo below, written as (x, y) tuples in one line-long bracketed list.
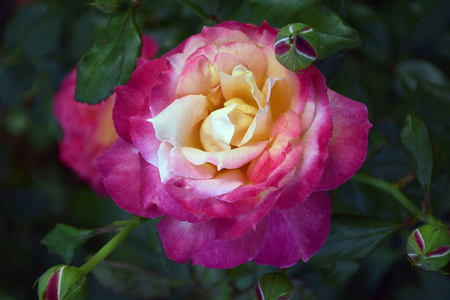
[(274, 286), (413, 73), (106, 6), (132, 281), (336, 274), (353, 237), (109, 63), (64, 240), (334, 33), (415, 138)]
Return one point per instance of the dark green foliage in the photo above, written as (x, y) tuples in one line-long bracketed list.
[(65, 240), (133, 281), (415, 137), (353, 237), (110, 62)]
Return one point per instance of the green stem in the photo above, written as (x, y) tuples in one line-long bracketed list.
[(111, 245), (395, 191)]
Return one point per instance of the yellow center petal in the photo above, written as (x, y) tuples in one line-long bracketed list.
[(241, 118), (239, 112)]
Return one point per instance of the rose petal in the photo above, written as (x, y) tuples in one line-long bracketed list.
[(88, 132), (262, 36), (226, 62), (217, 130), (285, 129), (149, 47), (130, 97), (179, 122), (224, 182), (232, 159), (182, 190), (259, 129), (144, 139), (220, 35), (315, 139), (232, 228), (296, 233), (290, 92), (154, 193), (121, 171), (196, 78), (252, 55), (241, 84), (348, 147), (172, 163), (183, 241), (162, 93), (180, 166)]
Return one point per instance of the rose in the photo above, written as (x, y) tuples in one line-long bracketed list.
[(88, 130), (233, 150)]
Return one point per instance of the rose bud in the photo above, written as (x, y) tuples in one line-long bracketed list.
[(62, 283), (428, 247), (88, 130), (274, 286)]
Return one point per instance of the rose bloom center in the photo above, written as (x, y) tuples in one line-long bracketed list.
[(235, 107)]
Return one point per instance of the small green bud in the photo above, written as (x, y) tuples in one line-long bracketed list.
[(296, 46), (428, 247), (274, 286), (62, 282)]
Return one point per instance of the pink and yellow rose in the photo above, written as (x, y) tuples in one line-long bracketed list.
[(233, 150), (88, 130)]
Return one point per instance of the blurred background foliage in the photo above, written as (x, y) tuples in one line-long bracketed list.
[(404, 65)]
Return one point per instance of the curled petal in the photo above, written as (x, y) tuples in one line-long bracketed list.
[(217, 130), (180, 166), (224, 182), (232, 159), (155, 194)]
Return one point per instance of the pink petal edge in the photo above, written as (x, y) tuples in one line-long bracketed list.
[(296, 233)]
